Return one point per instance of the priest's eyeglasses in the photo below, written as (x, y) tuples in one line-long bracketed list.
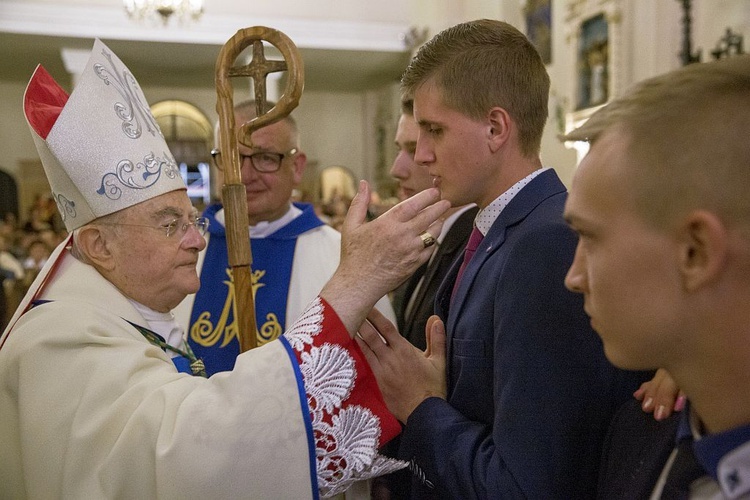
[(265, 162), (175, 226)]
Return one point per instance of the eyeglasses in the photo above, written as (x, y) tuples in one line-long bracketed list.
[(263, 161), (175, 226)]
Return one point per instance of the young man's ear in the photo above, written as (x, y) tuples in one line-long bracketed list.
[(703, 241), (498, 130), (93, 243)]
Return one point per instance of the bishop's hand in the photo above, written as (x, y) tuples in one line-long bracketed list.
[(377, 256)]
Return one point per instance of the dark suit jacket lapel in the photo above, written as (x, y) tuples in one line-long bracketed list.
[(449, 249), (400, 297), (543, 186), (635, 451)]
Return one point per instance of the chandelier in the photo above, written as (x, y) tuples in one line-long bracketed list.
[(184, 11)]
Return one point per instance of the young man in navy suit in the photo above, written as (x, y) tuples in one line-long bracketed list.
[(661, 207), (515, 400), (417, 294)]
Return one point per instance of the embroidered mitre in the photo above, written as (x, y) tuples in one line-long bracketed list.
[(101, 148)]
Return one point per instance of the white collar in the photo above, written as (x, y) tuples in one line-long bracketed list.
[(266, 228), (164, 324)]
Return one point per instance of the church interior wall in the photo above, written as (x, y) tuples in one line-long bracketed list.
[(337, 128)]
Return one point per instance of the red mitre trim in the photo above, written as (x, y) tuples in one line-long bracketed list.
[(43, 101)]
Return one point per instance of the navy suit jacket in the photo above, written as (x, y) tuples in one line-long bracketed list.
[(530, 393)]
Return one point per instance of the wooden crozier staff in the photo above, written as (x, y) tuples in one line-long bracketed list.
[(233, 191)]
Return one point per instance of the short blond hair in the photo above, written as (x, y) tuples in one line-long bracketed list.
[(482, 64), (688, 134)]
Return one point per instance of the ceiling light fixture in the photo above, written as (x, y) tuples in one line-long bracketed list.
[(184, 11)]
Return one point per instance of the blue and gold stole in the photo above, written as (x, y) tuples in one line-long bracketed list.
[(213, 329)]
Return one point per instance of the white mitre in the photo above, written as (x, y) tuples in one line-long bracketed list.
[(101, 148)]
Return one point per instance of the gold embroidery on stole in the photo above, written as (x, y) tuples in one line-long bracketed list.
[(204, 333)]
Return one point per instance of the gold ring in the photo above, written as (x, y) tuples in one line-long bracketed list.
[(427, 239)]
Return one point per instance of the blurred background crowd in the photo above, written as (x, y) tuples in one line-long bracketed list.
[(25, 246)]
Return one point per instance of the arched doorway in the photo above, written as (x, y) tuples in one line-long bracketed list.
[(189, 135)]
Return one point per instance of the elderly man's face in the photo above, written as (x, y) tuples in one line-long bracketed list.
[(152, 268)]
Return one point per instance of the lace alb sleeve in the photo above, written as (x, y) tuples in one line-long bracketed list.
[(350, 421)]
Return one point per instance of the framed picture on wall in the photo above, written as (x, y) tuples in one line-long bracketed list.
[(593, 62), (595, 32), (539, 26)]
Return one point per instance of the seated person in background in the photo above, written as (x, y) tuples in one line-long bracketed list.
[(11, 277), (94, 404), (663, 263), (37, 254)]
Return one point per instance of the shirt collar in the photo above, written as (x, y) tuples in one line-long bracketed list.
[(725, 455), (164, 324), (266, 228), (489, 214)]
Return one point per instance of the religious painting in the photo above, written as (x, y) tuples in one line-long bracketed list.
[(539, 26), (593, 62)]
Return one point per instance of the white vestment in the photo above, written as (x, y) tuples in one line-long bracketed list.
[(90, 409)]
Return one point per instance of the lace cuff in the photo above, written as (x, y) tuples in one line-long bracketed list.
[(349, 418)]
